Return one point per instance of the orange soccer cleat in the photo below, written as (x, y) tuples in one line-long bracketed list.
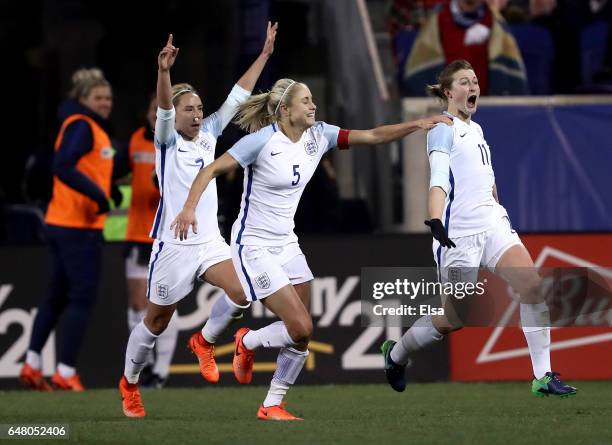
[(277, 412), (131, 400), (205, 352), (70, 384), (33, 378), (243, 359)]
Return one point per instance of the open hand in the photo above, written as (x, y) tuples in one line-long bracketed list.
[(268, 48), (428, 123), (182, 222), (167, 55)]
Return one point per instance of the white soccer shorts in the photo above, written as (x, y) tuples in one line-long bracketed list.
[(264, 270), (480, 250), (174, 268)]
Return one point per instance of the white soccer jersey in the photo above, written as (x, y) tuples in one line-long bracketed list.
[(276, 173), (178, 161), (469, 202)]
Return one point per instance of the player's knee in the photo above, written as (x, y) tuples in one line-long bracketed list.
[(158, 323), (530, 288), (300, 331), (237, 295)]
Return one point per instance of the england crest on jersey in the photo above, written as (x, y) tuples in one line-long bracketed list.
[(263, 280), (311, 147), (203, 144)]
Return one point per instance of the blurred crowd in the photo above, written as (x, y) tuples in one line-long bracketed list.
[(517, 46)]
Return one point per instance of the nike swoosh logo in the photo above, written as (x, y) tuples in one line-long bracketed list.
[(274, 154), (461, 135), (137, 363), (182, 151)]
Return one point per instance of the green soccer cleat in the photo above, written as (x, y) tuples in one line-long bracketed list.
[(551, 385), (396, 374)]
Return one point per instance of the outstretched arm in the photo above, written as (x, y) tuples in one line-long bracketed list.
[(186, 217), (249, 78), (389, 133)]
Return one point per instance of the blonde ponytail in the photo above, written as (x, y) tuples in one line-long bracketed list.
[(260, 110)]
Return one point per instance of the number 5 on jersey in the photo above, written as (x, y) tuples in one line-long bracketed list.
[(296, 173)]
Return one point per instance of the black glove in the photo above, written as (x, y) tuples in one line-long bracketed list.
[(103, 207), (155, 180), (116, 195), (439, 232)]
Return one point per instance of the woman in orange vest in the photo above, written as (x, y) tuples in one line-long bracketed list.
[(82, 169), (141, 214)]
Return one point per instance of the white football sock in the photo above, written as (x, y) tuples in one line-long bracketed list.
[(65, 371), (274, 335), (288, 366), (164, 348), (134, 317), (421, 334), (139, 346), (33, 359), (535, 319), (223, 312)]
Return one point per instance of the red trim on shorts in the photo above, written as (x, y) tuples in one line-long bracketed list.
[(343, 139)]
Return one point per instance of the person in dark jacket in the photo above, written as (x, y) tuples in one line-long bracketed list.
[(82, 172)]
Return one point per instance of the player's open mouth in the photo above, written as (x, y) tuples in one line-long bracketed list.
[(471, 102), (312, 115)]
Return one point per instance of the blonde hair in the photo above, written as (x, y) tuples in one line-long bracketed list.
[(179, 90), (86, 79), (445, 78), (260, 110)]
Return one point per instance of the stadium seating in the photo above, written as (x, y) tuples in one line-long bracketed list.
[(537, 49)]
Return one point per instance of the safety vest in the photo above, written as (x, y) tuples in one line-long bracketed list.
[(69, 208), (145, 196)]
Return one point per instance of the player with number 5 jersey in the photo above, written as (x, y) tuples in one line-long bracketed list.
[(280, 155)]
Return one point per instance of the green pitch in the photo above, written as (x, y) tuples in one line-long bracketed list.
[(442, 413)]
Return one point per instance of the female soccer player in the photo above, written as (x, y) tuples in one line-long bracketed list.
[(141, 215), (82, 169), (279, 157), (185, 143), (462, 192)]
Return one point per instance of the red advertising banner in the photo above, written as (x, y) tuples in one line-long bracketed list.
[(500, 353)]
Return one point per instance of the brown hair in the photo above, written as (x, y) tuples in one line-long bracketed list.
[(445, 78), (179, 90), (263, 109), (86, 79)]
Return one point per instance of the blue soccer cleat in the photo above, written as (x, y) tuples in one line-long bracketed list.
[(395, 373), (550, 385)]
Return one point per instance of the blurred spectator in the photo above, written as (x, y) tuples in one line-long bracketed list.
[(471, 30), (568, 22), (410, 14)]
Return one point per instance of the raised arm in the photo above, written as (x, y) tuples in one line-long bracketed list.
[(249, 78), (164, 123), (186, 217), (217, 121), (165, 60), (389, 133)]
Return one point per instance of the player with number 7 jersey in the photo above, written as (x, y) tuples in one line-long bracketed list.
[(280, 156)]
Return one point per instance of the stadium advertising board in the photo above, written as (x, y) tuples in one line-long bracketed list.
[(342, 350), (500, 352)]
